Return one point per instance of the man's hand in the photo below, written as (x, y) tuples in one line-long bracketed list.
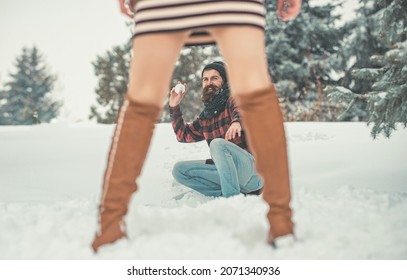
[(234, 129), (127, 7), (288, 9), (175, 98)]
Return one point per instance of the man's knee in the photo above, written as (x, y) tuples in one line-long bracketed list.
[(217, 145), (177, 170)]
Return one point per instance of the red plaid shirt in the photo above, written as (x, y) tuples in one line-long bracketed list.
[(203, 129)]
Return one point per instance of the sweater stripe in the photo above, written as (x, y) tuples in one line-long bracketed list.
[(163, 16)]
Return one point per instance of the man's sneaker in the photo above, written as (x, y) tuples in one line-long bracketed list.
[(256, 192)]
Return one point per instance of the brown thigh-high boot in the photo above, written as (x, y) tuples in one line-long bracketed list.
[(130, 142), (263, 122)]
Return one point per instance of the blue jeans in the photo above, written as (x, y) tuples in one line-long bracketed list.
[(233, 172)]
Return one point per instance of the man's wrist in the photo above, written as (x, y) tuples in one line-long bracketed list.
[(174, 111), (173, 106)]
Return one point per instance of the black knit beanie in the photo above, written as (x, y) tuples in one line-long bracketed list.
[(218, 66)]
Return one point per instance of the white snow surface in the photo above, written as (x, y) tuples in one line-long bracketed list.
[(349, 198)]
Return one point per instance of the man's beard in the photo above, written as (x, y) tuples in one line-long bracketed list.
[(208, 93)]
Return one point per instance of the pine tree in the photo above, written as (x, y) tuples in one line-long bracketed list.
[(2, 96), (3, 101), (381, 83), (27, 97), (302, 56), (112, 71), (362, 42)]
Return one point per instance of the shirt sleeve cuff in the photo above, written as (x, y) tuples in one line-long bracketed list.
[(174, 109)]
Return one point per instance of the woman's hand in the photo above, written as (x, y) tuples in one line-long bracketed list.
[(127, 7), (288, 9), (175, 98)]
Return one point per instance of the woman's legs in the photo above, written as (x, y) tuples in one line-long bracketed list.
[(152, 65), (150, 73), (243, 49)]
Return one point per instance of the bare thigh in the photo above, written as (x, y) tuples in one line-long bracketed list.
[(152, 65), (243, 49)]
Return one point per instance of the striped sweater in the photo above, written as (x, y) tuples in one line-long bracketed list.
[(164, 16)]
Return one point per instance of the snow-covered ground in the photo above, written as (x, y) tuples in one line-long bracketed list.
[(349, 198)]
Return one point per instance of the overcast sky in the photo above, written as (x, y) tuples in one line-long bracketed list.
[(70, 34)]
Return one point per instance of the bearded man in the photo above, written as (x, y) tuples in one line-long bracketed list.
[(231, 170)]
